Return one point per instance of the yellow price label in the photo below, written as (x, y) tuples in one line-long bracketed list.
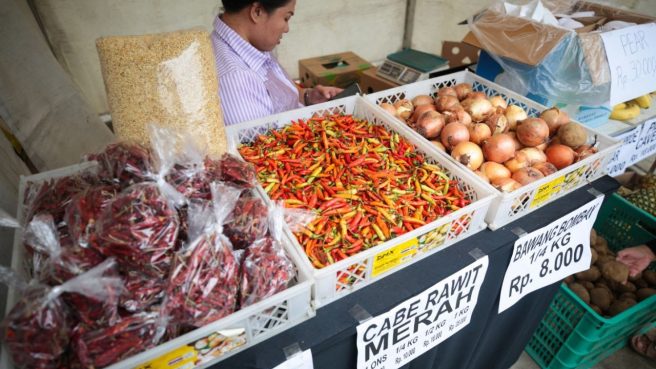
[(180, 358), (546, 191), (395, 256)]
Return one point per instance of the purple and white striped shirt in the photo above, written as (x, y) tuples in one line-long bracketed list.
[(252, 84)]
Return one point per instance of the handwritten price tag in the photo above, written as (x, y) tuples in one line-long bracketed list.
[(627, 154), (631, 54), (549, 254)]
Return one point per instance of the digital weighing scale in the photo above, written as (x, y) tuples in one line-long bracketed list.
[(408, 65)]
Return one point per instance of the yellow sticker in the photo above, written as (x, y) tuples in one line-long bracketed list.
[(181, 358), (395, 256), (546, 191)]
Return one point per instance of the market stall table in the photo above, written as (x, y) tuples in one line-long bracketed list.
[(490, 341)]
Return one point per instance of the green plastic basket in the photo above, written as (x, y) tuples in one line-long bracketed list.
[(571, 334)]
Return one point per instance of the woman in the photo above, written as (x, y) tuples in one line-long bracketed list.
[(252, 84)]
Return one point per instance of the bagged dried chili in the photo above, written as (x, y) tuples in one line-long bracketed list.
[(52, 196), (98, 348), (123, 164), (248, 221), (204, 280), (85, 209), (139, 228), (235, 170), (141, 291)]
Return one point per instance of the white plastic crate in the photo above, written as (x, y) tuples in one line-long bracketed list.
[(508, 207), (231, 334), (339, 279)]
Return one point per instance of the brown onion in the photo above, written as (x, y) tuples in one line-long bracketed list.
[(520, 161), (458, 115), (438, 145), (505, 184), (499, 148), (479, 109), (389, 108), (468, 154), (444, 91), (513, 135), (532, 132), (554, 118), (542, 147), (527, 175), (422, 100), (482, 176), (546, 168), (585, 151), (430, 124), (534, 155), (403, 108), (498, 102), (514, 114), (447, 102), (462, 90), (498, 123), (476, 95), (494, 170), (560, 155), (479, 132), (453, 134), (420, 110)]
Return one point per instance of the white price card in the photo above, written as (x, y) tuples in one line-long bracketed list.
[(418, 324), (626, 155), (549, 254), (646, 145), (301, 361), (631, 54)]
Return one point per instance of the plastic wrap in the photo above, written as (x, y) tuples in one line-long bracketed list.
[(248, 221), (140, 229), (141, 292), (84, 210), (545, 59), (236, 171), (122, 164), (204, 280), (167, 78)]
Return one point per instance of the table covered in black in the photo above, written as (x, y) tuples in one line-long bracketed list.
[(490, 341)]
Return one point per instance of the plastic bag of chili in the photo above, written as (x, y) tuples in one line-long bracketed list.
[(204, 280), (84, 210), (37, 329), (234, 170), (266, 268), (248, 221), (122, 164)]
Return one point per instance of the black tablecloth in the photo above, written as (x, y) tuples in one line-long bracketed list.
[(490, 341)]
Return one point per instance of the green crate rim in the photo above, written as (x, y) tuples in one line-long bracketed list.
[(637, 209)]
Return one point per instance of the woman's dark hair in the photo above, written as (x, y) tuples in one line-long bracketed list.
[(234, 6)]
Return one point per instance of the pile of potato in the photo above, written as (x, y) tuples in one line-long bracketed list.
[(601, 286)]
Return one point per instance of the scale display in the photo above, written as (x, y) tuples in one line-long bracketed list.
[(402, 74)]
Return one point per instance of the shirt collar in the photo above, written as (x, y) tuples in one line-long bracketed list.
[(253, 57)]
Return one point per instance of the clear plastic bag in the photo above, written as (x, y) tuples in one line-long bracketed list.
[(167, 78), (122, 164), (140, 229), (142, 291), (236, 171), (84, 210), (204, 280), (248, 221)]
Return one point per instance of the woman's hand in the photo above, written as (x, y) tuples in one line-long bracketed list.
[(637, 258), (319, 94)]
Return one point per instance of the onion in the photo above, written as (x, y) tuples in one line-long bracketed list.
[(514, 114), (513, 135), (520, 161), (476, 95), (498, 102), (448, 102), (585, 151), (458, 115), (498, 123), (546, 168), (389, 108), (430, 124), (438, 145), (543, 146), (453, 134), (560, 155), (468, 154), (462, 90), (534, 155), (403, 108), (505, 184), (494, 170), (554, 118), (499, 148), (422, 100), (527, 175), (420, 110), (482, 176), (532, 132), (447, 91), (479, 132), (479, 109), (572, 135)]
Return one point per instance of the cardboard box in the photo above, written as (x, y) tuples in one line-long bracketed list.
[(370, 82), (339, 70)]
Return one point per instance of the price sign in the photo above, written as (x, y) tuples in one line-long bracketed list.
[(631, 54), (626, 155), (549, 254), (413, 327), (646, 145), (300, 361)]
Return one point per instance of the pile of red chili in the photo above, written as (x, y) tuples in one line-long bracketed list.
[(366, 184)]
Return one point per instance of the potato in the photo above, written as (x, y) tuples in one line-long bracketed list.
[(596, 309), (593, 236), (619, 306), (594, 256), (636, 277), (603, 259), (645, 293), (601, 297), (628, 296), (620, 288), (602, 244), (587, 284), (615, 271), (569, 279), (640, 283), (650, 277), (580, 291), (589, 275), (602, 284)]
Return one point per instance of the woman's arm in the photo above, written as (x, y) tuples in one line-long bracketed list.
[(318, 94)]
